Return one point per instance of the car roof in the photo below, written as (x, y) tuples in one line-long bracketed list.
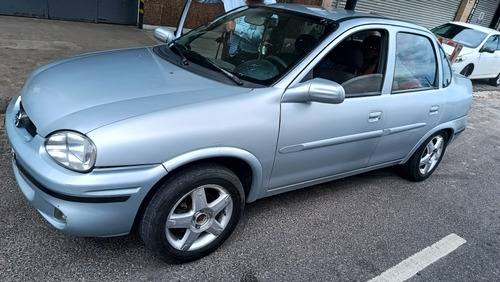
[(332, 14), (477, 27), (341, 15)]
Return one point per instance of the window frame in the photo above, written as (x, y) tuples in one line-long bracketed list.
[(382, 65), (437, 71), (445, 64), (491, 37)]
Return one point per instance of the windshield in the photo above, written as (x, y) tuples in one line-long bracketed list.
[(257, 44), (468, 37)]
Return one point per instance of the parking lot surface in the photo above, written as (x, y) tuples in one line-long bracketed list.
[(354, 229)]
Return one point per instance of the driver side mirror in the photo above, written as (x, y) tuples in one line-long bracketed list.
[(315, 90), (164, 34), (487, 49)]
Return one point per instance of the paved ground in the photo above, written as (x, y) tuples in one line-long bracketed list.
[(27, 43), (347, 230)]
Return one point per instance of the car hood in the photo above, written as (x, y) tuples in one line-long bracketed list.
[(86, 92)]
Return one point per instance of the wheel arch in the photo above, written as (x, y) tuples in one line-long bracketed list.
[(468, 70), (450, 132), (244, 164)]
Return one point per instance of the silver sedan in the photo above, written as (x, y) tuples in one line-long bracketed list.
[(175, 139)]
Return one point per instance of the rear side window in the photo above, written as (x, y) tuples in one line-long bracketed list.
[(415, 65), (447, 72)]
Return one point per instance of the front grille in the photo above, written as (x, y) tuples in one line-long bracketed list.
[(22, 120)]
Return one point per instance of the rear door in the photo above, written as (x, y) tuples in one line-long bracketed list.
[(416, 101)]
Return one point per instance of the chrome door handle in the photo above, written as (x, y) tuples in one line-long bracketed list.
[(375, 116), (434, 110)]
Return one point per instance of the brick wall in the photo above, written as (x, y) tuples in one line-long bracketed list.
[(168, 12)]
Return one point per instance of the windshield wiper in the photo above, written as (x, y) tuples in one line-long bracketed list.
[(233, 77), (184, 61)]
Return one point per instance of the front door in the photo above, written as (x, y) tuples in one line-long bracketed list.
[(489, 63), (318, 141)]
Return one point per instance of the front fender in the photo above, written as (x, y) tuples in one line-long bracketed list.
[(224, 152)]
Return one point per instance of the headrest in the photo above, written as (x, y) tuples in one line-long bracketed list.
[(304, 43), (348, 53), (372, 41)]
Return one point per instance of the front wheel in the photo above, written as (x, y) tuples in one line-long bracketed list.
[(427, 157), (193, 213)]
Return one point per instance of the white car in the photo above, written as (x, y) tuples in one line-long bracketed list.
[(480, 55)]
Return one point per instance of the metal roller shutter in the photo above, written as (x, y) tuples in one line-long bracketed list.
[(483, 13), (429, 14)]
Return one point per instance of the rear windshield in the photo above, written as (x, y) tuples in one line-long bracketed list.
[(466, 36)]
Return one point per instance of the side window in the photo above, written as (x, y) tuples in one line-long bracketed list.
[(415, 65), (492, 43), (447, 72), (357, 63), (297, 38)]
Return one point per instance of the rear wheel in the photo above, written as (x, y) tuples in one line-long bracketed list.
[(495, 81), (427, 158), (193, 213)]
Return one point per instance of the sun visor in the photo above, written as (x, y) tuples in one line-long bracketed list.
[(256, 18)]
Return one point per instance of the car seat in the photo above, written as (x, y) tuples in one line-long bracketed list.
[(347, 59)]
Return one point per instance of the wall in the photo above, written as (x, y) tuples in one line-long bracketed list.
[(168, 12), (464, 10)]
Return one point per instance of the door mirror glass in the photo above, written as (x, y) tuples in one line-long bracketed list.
[(315, 90)]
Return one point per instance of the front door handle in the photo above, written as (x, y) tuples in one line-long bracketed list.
[(375, 116)]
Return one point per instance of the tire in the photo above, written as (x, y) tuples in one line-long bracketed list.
[(427, 158), (467, 71), (495, 81), (204, 203)]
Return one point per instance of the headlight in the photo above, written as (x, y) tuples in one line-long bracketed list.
[(72, 150)]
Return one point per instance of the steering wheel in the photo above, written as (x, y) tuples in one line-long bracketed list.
[(277, 60)]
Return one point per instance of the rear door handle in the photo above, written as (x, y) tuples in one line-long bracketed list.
[(375, 116), (434, 110)]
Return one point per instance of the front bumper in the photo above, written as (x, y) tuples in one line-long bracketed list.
[(100, 203)]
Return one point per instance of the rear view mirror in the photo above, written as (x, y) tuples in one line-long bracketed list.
[(164, 34)]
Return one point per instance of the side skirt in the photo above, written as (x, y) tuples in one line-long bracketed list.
[(283, 189)]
